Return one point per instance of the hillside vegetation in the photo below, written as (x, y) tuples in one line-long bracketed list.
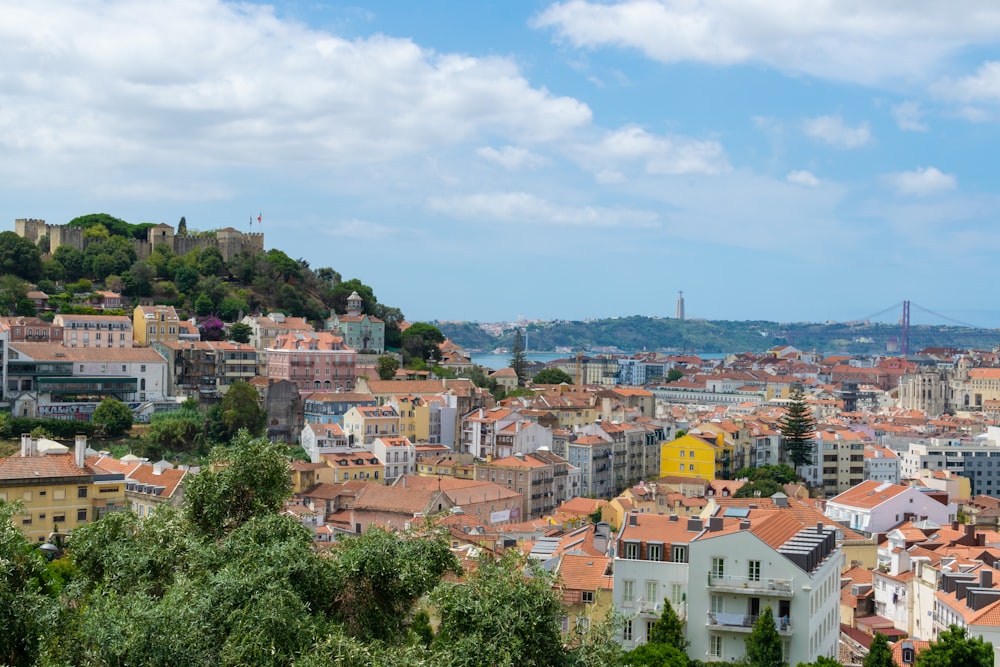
[(638, 333)]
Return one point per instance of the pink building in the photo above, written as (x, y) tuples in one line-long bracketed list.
[(312, 360)]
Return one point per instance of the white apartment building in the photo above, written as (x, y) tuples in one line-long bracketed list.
[(882, 464), (398, 454), (877, 507), (720, 575)]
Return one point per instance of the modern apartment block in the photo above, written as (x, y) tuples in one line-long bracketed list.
[(978, 460)]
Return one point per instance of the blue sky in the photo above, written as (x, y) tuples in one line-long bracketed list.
[(787, 161)]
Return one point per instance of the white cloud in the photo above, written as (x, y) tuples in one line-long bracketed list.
[(654, 154), (525, 208), (511, 158), (909, 116), (853, 40), (802, 177), (981, 87), (833, 131), (922, 181), (110, 84)]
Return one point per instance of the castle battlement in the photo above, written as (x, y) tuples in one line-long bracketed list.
[(229, 242)]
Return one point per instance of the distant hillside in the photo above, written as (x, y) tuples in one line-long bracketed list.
[(637, 333)]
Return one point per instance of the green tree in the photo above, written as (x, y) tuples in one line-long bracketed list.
[(387, 367), (879, 653), (109, 223), (19, 257), (674, 374), (380, 575), (552, 376), (210, 262), (798, 427), (186, 277), (763, 645), (517, 359), (249, 478), (13, 291), (668, 628), (953, 647), (241, 409), (203, 305), (656, 655), (240, 332), (761, 488), (27, 614), (421, 340), (232, 308), (506, 614), (113, 416), (71, 260)]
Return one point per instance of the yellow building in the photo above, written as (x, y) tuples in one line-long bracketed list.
[(58, 491), (586, 584), (697, 455), (154, 323), (414, 417), (355, 464)]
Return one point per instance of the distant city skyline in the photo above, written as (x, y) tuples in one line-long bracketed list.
[(561, 160)]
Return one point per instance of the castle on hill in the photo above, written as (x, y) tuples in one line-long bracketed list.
[(230, 242)]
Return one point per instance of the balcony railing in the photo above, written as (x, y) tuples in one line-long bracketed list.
[(745, 622), (757, 586)]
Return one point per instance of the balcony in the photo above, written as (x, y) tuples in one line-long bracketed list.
[(744, 623), (760, 587)]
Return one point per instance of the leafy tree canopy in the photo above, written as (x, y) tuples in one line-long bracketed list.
[(763, 644), (552, 376), (954, 647), (113, 416), (19, 257)]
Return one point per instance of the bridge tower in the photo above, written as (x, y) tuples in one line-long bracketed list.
[(905, 334)]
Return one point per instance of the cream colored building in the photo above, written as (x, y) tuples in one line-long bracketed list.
[(57, 489)]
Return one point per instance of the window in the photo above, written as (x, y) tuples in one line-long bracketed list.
[(654, 552), (652, 592), (715, 604), (587, 597), (678, 554), (715, 646), (631, 551), (628, 590), (627, 630), (676, 594), (81, 492), (81, 515), (682, 453), (58, 518), (753, 570), (718, 567)]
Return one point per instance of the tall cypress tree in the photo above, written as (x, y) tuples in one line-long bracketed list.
[(517, 359), (668, 628), (763, 644), (798, 426)]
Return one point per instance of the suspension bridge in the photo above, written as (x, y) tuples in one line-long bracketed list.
[(904, 320)]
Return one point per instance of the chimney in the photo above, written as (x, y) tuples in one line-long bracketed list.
[(720, 439), (986, 578), (25, 444), (673, 517), (633, 519), (81, 451), (694, 525), (954, 524), (819, 527), (744, 525), (715, 524)]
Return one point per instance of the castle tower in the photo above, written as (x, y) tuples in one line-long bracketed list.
[(680, 305)]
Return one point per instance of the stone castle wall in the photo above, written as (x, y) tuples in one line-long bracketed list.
[(230, 242)]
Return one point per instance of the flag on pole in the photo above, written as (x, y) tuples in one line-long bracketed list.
[(259, 222)]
